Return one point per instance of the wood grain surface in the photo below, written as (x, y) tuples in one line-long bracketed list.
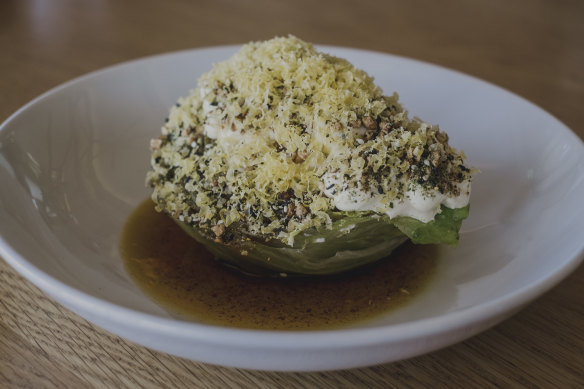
[(533, 48)]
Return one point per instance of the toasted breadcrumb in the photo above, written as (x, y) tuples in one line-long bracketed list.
[(274, 119)]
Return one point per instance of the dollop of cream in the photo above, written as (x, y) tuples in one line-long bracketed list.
[(416, 203)]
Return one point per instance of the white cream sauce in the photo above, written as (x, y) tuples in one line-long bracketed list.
[(415, 203)]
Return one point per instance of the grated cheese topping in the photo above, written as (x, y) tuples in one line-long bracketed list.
[(275, 139)]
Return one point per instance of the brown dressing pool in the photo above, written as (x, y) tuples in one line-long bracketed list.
[(181, 276)]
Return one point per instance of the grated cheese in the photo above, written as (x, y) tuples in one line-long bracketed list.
[(271, 140)]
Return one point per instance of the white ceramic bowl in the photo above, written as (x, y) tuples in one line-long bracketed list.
[(72, 166)]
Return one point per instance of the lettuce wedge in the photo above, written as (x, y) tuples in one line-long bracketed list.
[(353, 241)]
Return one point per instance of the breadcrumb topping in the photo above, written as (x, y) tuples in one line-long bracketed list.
[(251, 151)]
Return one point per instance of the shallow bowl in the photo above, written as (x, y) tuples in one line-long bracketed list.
[(72, 168)]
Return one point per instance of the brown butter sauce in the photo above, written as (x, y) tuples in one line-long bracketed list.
[(181, 276)]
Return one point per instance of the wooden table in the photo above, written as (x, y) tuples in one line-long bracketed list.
[(533, 48)]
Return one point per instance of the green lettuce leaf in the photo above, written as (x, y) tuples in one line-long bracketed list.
[(354, 240), (443, 229)]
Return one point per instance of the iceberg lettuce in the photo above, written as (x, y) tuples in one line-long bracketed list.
[(354, 240)]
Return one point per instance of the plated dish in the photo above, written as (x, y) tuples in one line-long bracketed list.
[(73, 161), (286, 160)]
